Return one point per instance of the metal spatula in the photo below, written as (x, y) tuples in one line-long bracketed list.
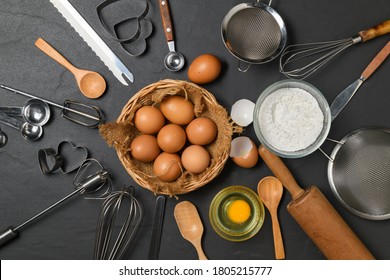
[(346, 95)]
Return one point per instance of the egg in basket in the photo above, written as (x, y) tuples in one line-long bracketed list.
[(177, 148)]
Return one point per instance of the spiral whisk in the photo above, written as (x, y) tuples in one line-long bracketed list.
[(120, 217), (90, 184)]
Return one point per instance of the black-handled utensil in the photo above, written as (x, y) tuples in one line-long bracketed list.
[(158, 220)]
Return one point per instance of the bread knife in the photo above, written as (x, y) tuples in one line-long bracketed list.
[(96, 43)]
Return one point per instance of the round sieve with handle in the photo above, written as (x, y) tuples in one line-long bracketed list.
[(359, 172), (254, 33)]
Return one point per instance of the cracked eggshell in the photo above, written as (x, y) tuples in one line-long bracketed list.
[(244, 152), (242, 112)]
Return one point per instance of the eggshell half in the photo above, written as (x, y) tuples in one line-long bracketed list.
[(244, 156)]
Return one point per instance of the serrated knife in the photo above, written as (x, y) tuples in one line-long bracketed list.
[(96, 43), (346, 95)]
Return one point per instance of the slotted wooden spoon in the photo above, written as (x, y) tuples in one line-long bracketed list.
[(270, 190), (190, 225)]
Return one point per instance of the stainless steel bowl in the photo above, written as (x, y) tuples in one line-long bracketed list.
[(322, 102)]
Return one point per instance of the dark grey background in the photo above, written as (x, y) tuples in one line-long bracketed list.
[(69, 232)]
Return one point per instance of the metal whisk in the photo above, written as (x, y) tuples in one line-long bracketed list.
[(302, 60), (120, 217), (95, 185)]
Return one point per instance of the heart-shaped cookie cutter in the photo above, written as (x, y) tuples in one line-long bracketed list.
[(50, 160), (138, 46), (143, 28)]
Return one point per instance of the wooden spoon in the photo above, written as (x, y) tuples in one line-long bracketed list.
[(90, 83), (270, 190), (190, 225)]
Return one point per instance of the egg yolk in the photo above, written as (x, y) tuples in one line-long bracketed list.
[(239, 211)]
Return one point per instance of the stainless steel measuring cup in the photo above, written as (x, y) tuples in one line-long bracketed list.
[(34, 111), (29, 132)]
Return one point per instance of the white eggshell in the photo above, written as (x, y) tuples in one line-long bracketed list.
[(242, 112), (240, 146)]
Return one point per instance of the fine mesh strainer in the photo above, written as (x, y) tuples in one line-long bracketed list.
[(359, 172), (254, 32)]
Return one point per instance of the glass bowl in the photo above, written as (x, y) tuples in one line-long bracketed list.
[(224, 226), (322, 102)]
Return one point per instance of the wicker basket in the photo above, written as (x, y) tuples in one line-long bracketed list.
[(120, 135)]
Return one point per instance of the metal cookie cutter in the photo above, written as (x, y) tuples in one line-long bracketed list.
[(68, 158), (139, 46), (140, 28)]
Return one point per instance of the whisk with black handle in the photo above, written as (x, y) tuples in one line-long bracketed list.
[(120, 217), (302, 60), (92, 185)]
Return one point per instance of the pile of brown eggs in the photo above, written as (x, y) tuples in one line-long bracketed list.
[(173, 138)]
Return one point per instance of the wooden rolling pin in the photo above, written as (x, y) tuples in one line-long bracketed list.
[(317, 217)]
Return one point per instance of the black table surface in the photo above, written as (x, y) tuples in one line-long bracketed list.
[(69, 231)]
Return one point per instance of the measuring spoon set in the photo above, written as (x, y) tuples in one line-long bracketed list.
[(36, 113)]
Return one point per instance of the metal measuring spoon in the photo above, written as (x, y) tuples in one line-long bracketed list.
[(29, 132), (3, 139), (34, 111), (174, 61)]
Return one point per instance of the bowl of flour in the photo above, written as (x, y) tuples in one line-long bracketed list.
[(291, 118)]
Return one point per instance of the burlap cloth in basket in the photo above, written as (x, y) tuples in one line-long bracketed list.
[(121, 133)]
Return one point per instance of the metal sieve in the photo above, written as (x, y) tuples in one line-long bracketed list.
[(359, 172), (254, 33)]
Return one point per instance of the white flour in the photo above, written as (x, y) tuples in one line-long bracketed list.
[(290, 119)]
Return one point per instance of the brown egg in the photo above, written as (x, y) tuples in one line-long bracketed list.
[(201, 131), (167, 167), (171, 138), (195, 159), (204, 69), (249, 160), (178, 109), (149, 119), (145, 148)]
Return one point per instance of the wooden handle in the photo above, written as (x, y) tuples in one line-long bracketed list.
[(166, 19), (376, 31), (281, 172), (377, 61), (199, 250), (278, 240), (50, 51)]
